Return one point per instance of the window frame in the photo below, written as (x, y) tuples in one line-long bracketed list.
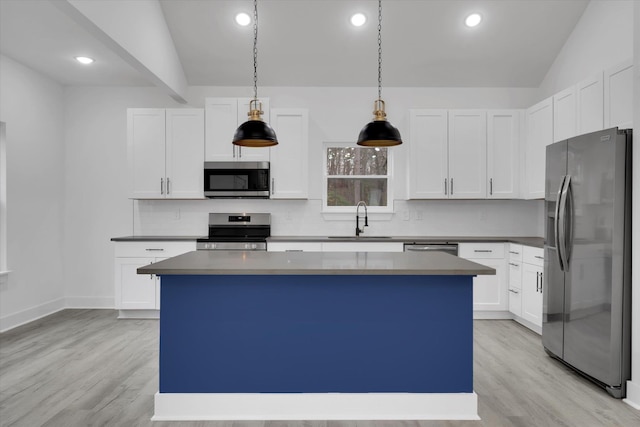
[(351, 209)]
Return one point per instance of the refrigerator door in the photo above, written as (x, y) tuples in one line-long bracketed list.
[(553, 285), (592, 304)]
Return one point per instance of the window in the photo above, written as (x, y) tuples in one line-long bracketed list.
[(352, 174)]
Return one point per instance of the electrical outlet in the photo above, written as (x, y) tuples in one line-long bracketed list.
[(176, 214)]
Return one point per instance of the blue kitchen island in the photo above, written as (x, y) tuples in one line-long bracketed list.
[(316, 335)]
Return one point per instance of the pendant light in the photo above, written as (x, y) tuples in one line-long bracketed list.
[(379, 132), (254, 132)]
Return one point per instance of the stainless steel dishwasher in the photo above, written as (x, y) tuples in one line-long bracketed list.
[(450, 248)]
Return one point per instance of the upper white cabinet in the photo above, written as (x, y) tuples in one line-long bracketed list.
[(503, 151), (165, 151), (564, 114), (290, 159), (467, 154), (539, 134), (590, 105), (428, 157), (223, 116), (448, 154), (618, 96)]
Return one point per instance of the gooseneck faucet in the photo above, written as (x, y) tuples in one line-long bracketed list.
[(366, 219)]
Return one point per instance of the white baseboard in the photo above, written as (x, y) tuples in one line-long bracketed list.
[(138, 314), (633, 395), (535, 328), (315, 406), (30, 314), (90, 302), (492, 315)]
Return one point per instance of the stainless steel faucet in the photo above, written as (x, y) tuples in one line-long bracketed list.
[(366, 219)]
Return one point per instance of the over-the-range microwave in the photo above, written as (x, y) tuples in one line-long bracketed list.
[(236, 180)]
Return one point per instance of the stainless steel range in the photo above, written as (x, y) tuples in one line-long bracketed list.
[(237, 232)]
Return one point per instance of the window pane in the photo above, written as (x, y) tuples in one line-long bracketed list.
[(349, 191), (356, 161)]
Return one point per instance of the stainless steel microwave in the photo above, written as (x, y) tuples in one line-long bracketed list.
[(235, 180)]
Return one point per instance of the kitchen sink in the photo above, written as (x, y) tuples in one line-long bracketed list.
[(359, 237)]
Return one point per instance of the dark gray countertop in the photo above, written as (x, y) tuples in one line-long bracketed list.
[(314, 263), (156, 238), (529, 241)]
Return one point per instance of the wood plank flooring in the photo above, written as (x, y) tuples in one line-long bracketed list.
[(86, 368)]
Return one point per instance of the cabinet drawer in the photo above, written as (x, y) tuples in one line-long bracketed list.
[(515, 274), (515, 301), (153, 249), (531, 255), (481, 250), (515, 252)]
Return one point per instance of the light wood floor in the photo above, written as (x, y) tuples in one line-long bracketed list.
[(85, 368)]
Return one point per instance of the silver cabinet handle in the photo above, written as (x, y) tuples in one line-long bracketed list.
[(168, 188), (539, 257), (540, 282), (491, 186), (515, 253), (514, 291), (239, 152), (446, 193), (483, 250), (234, 150), (154, 250), (273, 185), (162, 186), (452, 186), (515, 265)]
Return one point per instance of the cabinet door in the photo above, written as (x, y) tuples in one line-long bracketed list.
[(134, 291), (146, 152), (490, 292), (532, 293), (251, 154), (564, 114), (290, 159), (467, 154), (590, 96), (503, 145), (539, 135), (618, 96), (428, 157), (185, 153), (221, 122)]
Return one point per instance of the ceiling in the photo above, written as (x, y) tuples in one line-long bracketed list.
[(312, 43)]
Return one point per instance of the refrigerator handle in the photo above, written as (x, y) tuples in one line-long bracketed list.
[(557, 225), (568, 244), (562, 226)]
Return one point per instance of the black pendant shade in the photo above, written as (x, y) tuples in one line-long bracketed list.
[(255, 133), (379, 133)]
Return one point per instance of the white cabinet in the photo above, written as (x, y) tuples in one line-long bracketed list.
[(468, 154), (618, 96), (428, 154), (590, 105), (290, 158), (138, 295), (532, 286), (564, 114), (539, 134), (362, 246), (503, 153), (515, 279), (165, 151), (223, 116), (294, 246), (448, 154), (489, 292)]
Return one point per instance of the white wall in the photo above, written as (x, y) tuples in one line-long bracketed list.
[(31, 105), (602, 38)]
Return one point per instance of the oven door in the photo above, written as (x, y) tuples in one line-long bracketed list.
[(236, 180)]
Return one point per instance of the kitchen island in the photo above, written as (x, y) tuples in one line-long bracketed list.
[(308, 335)]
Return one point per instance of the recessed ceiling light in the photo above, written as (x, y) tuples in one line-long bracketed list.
[(473, 20), (84, 60), (358, 19), (243, 19)]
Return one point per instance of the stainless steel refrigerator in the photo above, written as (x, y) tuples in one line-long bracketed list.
[(587, 267)]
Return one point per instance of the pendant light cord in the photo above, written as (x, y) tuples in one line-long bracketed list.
[(255, 49), (379, 49)]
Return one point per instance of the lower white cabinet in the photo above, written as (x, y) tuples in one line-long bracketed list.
[(138, 295), (515, 279), (489, 292), (532, 284), (294, 246)]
